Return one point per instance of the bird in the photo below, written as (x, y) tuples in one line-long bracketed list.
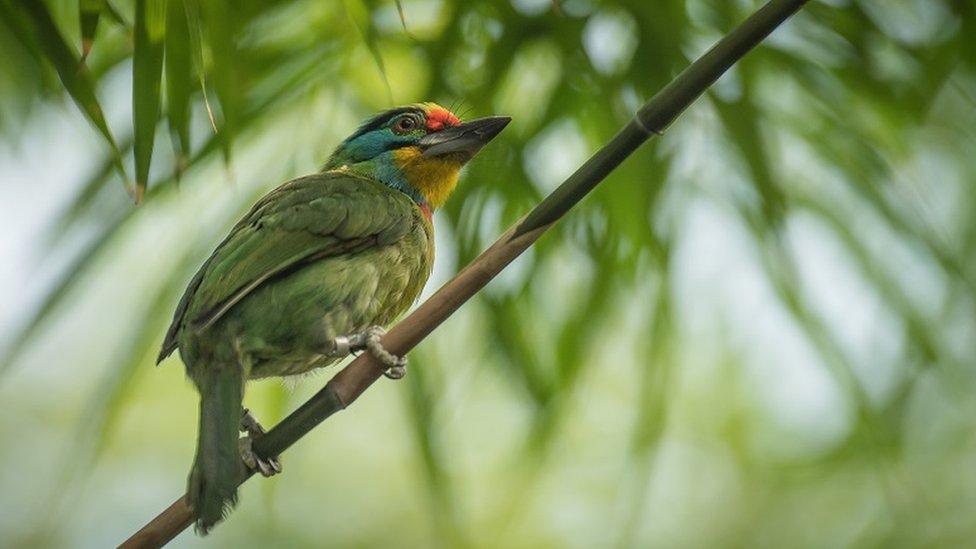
[(312, 273)]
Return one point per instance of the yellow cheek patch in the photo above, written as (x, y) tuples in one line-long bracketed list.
[(435, 178)]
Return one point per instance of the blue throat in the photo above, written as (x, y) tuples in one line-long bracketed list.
[(385, 171), (380, 167)]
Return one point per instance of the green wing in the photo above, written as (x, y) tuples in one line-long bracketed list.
[(305, 220)]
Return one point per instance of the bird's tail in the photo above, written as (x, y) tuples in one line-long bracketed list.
[(212, 489)]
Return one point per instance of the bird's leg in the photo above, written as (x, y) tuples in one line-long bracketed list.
[(369, 340), (267, 467)]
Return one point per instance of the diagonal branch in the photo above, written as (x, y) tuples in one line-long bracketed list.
[(653, 118)]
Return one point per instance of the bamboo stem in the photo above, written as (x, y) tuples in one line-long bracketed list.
[(652, 119)]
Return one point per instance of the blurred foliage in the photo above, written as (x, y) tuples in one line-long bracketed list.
[(758, 331)]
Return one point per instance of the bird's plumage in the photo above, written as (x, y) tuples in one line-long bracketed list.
[(332, 216), (321, 256)]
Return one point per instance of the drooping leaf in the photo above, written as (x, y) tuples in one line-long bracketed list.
[(403, 17), (147, 66), (195, 32), (77, 79), (179, 83), (280, 90), (88, 13), (741, 120), (220, 19)]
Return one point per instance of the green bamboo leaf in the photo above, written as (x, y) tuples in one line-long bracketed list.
[(741, 118), (86, 197), (403, 17), (264, 108), (113, 14), (221, 23), (73, 275), (195, 32), (88, 13), (179, 83), (14, 24), (77, 79), (147, 66)]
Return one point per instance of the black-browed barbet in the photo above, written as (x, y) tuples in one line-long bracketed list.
[(310, 274)]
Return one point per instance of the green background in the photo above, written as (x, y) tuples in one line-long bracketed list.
[(759, 331)]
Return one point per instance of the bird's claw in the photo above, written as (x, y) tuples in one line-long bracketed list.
[(250, 424), (369, 340), (396, 366), (266, 466)]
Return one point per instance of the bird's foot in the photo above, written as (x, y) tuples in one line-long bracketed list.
[(266, 466), (369, 340), (396, 366)]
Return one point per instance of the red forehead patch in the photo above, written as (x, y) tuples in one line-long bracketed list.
[(438, 119)]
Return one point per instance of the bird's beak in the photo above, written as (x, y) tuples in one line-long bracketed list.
[(465, 140)]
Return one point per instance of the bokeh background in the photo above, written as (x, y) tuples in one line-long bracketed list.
[(759, 331)]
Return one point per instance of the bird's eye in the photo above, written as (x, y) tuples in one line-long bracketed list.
[(405, 124)]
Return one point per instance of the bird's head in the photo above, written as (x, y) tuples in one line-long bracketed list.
[(417, 149)]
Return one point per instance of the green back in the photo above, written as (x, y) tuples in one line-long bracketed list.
[(304, 220)]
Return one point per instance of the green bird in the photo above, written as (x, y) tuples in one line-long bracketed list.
[(311, 274)]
